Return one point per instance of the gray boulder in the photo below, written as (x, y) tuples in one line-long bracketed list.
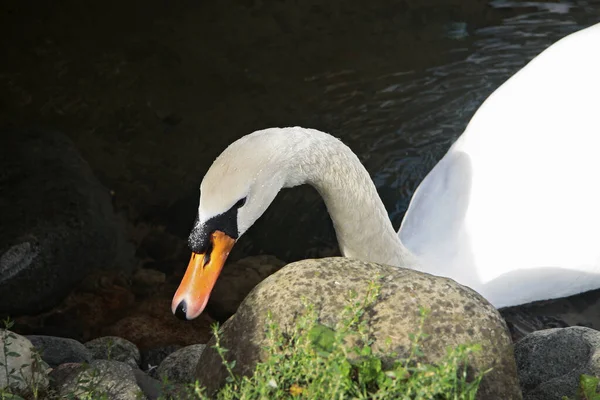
[(112, 379), (57, 350), (58, 222), (458, 316), (551, 361), (179, 367), (115, 349)]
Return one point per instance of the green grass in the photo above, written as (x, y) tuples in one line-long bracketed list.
[(317, 362), (588, 388)]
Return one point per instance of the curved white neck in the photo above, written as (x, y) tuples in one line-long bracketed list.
[(361, 222)]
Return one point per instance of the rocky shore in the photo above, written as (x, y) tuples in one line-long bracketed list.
[(545, 364), (89, 296)]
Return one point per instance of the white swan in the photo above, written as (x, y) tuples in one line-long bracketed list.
[(512, 210)]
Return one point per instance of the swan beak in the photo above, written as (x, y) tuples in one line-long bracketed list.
[(200, 277)]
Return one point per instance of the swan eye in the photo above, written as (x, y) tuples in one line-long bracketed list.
[(240, 203)]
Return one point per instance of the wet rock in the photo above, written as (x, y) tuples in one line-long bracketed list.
[(57, 219), (58, 350), (114, 379), (180, 366), (116, 349), (236, 281), (551, 361), (152, 358), (25, 369), (458, 316)]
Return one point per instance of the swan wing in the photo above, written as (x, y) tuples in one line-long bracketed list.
[(433, 226), (527, 226)]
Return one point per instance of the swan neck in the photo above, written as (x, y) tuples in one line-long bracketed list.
[(361, 222)]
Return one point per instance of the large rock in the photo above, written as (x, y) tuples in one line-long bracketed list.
[(551, 361), (458, 316), (26, 371), (58, 222)]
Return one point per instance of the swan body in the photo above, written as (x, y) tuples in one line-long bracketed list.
[(515, 202), (512, 210)]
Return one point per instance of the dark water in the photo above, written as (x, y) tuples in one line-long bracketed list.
[(151, 92)]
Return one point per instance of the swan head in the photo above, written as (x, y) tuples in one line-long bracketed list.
[(237, 189)]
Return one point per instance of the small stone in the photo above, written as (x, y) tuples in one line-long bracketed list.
[(179, 366), (112, 379), (116, 349), (58, 350), (551, 361)]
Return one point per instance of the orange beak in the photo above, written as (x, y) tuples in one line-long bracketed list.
[(200, 277)]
